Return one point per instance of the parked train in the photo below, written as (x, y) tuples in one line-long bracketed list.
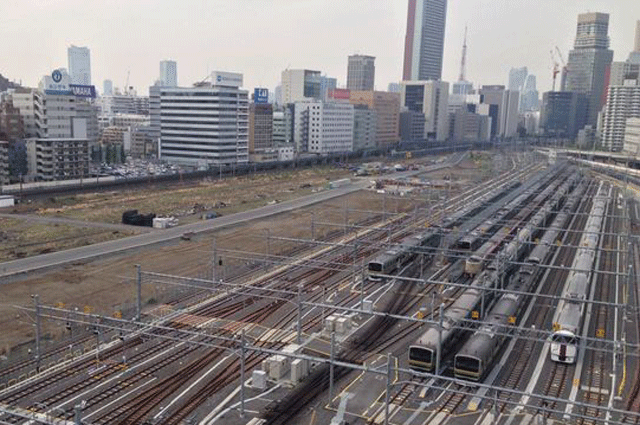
[(476, 356), (390, 260), (407, 250), (570, 315), (422, 354), (483, 256)]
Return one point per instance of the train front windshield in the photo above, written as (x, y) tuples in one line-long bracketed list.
[(418, 354), (467, 364), (564, 339), (375, 267)]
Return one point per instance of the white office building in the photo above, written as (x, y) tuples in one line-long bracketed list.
[(623, 102), (204, 125), (632, 137), (168, 73), (430, 98), (80, 65), (299, 85), (323, 128), (502, 108), (24, 100)]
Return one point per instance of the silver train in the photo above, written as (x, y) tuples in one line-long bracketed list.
[(390, 260), (407, 250), (556, 193), (422, 353), (477, 355), (570, 313)]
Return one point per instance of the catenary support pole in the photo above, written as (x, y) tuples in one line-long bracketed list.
[(439, 352), (138, 292), (242, 372), (36, 301), (332, 357), (299, 324), (387, 395)]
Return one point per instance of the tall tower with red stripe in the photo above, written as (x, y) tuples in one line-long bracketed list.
[(424, 43)]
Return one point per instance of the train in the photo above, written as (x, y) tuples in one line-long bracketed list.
[(483, 256), (407, 250), (422, 353), (473, 361), (390, 260), (570, 313)]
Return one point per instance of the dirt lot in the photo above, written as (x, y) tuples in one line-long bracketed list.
[(21, 239), (107, 285)]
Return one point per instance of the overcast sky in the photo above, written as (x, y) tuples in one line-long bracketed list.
[(260, 38)]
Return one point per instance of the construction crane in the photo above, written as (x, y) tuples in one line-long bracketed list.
[(565, 70), (556, 69)]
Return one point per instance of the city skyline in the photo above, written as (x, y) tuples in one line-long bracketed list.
[(261, 48)]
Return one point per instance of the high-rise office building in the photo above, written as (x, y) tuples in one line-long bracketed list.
[(361, 72), (107, 88), (323, 127), (504, 114), (637, 43), (530, 97), (300, 84), (168, 74), (623, 102), (79, 65), (203, 125), (589, 61), (260, 128), (327, 85), (387, 108), (517, 78), (424, 42), (430, 98), (563, 113)]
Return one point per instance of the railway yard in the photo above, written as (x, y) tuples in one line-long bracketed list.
[(499, 290)]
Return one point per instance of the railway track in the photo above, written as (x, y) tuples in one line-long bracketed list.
[(236, 307), (595, 392), (517, 369)]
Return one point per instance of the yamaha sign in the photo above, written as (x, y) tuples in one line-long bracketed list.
[(83, 91)]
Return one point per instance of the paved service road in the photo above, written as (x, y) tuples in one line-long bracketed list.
[(53, 259)]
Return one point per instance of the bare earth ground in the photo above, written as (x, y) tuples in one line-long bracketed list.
[(20, 239), (108, 285)]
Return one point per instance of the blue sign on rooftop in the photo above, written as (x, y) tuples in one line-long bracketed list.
[(261, 95)]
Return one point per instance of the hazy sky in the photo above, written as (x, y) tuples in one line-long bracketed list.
[(260, 38)]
